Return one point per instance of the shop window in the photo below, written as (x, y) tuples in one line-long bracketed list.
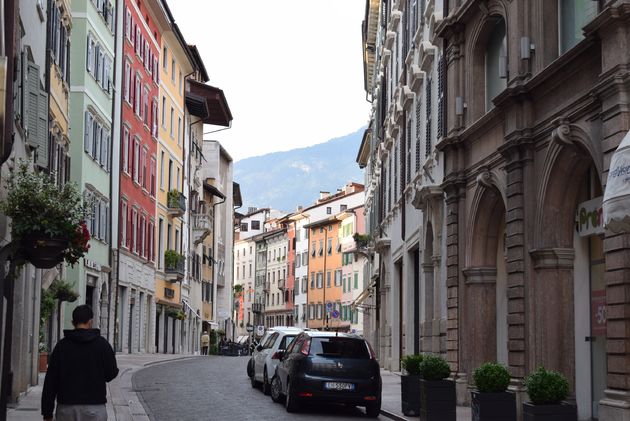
[(573, 16)]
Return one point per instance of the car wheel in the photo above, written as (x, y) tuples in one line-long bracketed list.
[(276, 389), (373, 409), (266, 386), (250, 368), (290, 401)]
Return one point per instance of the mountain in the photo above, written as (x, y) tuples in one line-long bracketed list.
[(284, 180)]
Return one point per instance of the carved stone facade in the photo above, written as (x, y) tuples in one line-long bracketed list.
[(528, 140)]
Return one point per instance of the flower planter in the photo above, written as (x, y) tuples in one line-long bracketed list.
[(410, 395), (437, 400), (555, 412), (43, 252), (499, 406), (43, 362)]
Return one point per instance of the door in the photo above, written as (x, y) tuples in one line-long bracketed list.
[(261, 357), (598, 322)]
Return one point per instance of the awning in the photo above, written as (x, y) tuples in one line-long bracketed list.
[(616, 206), (208, 103), (364, 294), (191, 309)]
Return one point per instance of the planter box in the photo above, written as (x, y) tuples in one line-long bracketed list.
[(557, 412), (437, 400), (43, 362), (410, 395), (493, 406)]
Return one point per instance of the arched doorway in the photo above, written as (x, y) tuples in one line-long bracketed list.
[(485, 300)]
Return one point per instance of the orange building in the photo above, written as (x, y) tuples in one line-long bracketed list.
[(324, 287)]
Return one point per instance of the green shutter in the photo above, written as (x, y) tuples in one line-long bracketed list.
[(32, 100), (356, 280)]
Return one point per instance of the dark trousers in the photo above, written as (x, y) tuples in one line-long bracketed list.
[(204, 350)]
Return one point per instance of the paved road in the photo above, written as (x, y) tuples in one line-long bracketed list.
[(217, 388)]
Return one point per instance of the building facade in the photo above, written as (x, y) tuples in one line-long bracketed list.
[(91, 106), (277, 267), (144, 22)]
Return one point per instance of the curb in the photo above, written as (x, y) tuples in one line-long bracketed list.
[(393, 416)]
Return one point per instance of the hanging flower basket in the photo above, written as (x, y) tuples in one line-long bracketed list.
[(47, 220), (42, 251)]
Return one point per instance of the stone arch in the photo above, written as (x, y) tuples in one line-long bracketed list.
[(491, 13), (569, 155), (487, 208)]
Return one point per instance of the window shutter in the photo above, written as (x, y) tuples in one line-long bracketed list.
[(408, 152), (32, 84), (105, 150), (428, 106), (87, 144), (418, 130), (441, 119), (42, 129)]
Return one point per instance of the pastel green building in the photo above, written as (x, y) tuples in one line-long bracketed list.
[(91, 99)]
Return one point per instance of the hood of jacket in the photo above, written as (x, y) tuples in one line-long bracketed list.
[(82, 335)]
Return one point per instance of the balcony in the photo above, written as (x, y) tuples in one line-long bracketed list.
[(257, 308), (266, 286), (200, 227), (281, 284), (174, 266), (176, 203)]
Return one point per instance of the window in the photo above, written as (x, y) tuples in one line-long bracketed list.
[(180, 81), (328, 278), (123, 223), (152, 180), (165, 59), (136, 160), (143, 166), (338, 277), (574, 15), (496, 63), (137, 97), (329, 246), (162, 170), (179, 127), (172, 121), (134, 231), (173, 70), (163, 112), (320, 280), (128, 23), (154, 118), (328, 210), (255, 225), (127, 88), (97, 140), (312, 280), (356, 280), (145, 106)]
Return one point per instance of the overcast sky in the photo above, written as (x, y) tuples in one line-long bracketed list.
[(291, 70)]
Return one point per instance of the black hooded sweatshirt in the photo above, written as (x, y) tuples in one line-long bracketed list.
[(78, 368)]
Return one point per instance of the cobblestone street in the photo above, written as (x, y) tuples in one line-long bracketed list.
[(217, 388)]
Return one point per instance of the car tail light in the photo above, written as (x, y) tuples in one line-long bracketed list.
[(306, 347), (372, 353), (305, 395), (370, 398)]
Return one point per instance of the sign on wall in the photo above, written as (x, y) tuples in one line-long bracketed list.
[(598, 313), (589, 217)]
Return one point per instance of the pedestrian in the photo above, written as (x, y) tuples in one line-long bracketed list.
[(80, 365), (205, 343)]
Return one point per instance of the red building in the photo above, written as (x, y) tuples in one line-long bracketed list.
[(144, 20)]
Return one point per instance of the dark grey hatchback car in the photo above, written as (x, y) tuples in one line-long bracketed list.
[(328, 367)]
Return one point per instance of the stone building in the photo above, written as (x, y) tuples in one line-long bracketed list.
[(404, 73)]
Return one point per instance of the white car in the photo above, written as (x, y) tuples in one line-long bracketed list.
[(265, 357)]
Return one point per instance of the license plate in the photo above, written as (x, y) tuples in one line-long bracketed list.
[(338, 386)]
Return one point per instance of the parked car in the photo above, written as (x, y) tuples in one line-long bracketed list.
[(328, 367), (267, 354)]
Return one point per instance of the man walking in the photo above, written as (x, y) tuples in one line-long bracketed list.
[(79, 366), (205, 343)]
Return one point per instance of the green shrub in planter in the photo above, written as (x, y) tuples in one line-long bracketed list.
[(411, 364), (410, 384), (63, 291), (491, 378), (546, 387), (434, 368)]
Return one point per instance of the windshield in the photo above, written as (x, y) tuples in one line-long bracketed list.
[(340, 347)]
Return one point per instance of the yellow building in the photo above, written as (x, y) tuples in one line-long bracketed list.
[(57, 157), (171, 285)]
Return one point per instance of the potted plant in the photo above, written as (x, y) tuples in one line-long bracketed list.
[(171, 259), (172, 312), (63, 291), (437, 395), (47, 221), (173, 198), (43, 357), (547, 390), (410, 384), (491, 400)]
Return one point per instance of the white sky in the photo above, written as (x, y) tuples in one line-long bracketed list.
[(291, 70)]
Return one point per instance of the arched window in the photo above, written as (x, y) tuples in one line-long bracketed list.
[(573, 16), (496, 62)]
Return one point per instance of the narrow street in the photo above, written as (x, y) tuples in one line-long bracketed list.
[(217, 388)]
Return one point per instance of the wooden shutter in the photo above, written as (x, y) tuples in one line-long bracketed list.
[(418, 130), (87, 142), (32, 87), (428, 106), (441, 118)]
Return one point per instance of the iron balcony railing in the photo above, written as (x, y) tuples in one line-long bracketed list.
[(174, 266), (176, 202)]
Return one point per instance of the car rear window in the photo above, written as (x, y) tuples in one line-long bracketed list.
[(339, 347)]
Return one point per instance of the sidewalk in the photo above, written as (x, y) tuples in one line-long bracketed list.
[(391, 406), (122, 401)]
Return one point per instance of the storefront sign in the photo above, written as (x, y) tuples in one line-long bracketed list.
[(589, 217), (598, 313)]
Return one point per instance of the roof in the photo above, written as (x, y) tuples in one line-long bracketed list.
[(208, 103), (323, 222), (213, 190), (364, 149)]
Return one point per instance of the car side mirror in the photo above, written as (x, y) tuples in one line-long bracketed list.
[(259, 348)]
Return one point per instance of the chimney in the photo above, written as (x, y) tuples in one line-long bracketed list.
[(323, 195), (251, 209), (300, 209)]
